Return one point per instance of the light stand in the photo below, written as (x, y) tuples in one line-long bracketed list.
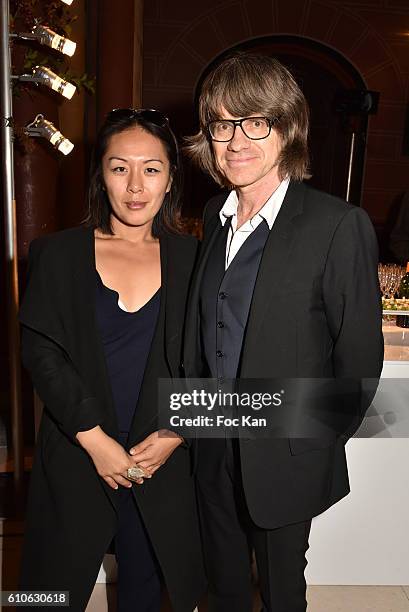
[(10, 244), (40, 127)]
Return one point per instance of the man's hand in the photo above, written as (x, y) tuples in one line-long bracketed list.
[(110, 459), (152, 452)]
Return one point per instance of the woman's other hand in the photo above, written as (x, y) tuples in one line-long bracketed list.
[(155, 450), (110, 459)]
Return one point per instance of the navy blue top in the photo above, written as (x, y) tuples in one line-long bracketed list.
[(126, 339)]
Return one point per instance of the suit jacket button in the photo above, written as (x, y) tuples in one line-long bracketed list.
[(219, 353)]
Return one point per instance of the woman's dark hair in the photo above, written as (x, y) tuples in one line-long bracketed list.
[(155, 123)]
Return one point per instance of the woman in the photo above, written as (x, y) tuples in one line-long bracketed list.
[(101, 322)]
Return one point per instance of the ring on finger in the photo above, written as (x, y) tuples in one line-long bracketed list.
[(135, 473)]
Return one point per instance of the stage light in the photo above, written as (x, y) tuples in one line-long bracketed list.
[(69, 2), (47, 77), (55, 41), (44, 75), (42, 128)]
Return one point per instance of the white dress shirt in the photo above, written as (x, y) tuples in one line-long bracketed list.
[(237, 236)]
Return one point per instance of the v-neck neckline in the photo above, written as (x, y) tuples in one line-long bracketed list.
[(119, 301)]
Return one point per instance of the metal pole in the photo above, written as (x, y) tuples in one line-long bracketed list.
[(350, 166), (10, 243)]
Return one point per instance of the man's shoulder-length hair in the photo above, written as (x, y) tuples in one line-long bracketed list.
[(245, 84)]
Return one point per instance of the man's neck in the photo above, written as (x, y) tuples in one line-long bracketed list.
[(252, 199)]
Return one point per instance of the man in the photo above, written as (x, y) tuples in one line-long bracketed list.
[(286, 287)]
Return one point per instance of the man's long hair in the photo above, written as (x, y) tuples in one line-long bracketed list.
[(245, 84)]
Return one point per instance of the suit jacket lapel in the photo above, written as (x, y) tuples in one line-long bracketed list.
[(85, 308), (192, 352), (272, 267), (171, 300)]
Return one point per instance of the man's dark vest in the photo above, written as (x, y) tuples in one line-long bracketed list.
[(225, 298)]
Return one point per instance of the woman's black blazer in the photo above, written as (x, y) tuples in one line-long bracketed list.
[(71, 516)]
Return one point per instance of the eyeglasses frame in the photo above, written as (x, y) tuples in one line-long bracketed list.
[(239, 122)]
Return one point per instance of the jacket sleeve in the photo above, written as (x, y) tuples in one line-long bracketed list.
[(54, 376), (354, 312)]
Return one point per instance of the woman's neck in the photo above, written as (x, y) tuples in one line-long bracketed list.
[(135, 234)]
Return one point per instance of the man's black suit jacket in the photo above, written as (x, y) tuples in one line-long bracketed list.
[(315, 312)]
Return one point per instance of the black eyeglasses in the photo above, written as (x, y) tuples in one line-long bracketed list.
[(149, 114), (255, 128)]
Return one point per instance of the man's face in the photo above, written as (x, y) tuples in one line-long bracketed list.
[(248, 164)]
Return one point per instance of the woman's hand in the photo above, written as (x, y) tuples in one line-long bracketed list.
[(155, 450), (110, 459)]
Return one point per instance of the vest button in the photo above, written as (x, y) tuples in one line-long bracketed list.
[(219, 353), (220, 324), (222, 295)]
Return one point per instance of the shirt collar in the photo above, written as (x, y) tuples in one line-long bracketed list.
[(269, 210)]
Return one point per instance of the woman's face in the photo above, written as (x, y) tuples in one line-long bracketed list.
[(136, 175)]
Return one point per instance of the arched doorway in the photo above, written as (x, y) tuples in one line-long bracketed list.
[(324, 76)]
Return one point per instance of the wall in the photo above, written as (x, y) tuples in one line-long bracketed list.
[(50, 188), (182, 38)]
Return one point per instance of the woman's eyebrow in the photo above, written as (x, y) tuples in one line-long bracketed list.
[(145, 161)]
